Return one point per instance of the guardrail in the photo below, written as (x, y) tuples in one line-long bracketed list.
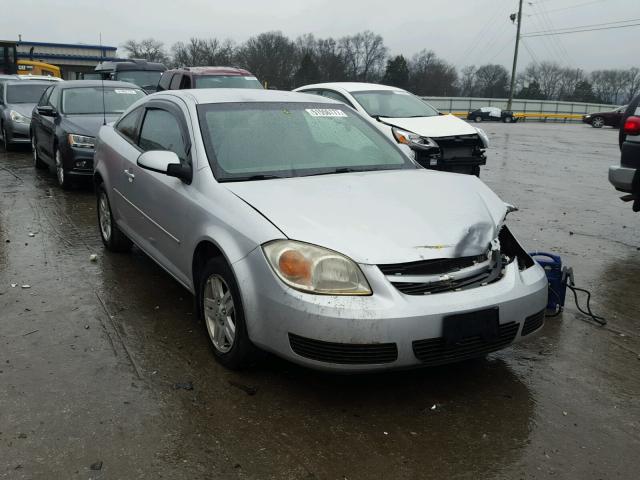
[(540, 110)]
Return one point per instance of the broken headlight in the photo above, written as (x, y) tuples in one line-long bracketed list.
[(412, 139)]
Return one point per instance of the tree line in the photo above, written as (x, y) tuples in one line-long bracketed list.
[(285, 64)]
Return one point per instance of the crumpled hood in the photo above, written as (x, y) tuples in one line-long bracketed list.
[(25, 109), (434, 127), (86, 124), (382, 217)]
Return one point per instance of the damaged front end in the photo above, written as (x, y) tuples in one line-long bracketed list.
[(441, 275)]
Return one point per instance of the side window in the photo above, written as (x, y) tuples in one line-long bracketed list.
[(128, 125), (186, 82), (1, 92), (54, 97), (175, 81), (45, 96), (336, 96), (165, 81), (161, 131), (312, 92)]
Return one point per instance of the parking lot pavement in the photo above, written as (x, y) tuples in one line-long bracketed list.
[(98, 359)]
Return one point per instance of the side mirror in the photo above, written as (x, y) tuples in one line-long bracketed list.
[(47, 111), (166, 162)]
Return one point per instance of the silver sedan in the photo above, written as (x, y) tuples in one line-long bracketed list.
[(302, 230)]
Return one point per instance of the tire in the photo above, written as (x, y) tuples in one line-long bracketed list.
[(597, 122), (220, 307), (5, 140), (507, 119), (37, 161), (112, 237), (61, 172), (477, 119)]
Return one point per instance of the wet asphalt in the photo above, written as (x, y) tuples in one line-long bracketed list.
[(97, 358)]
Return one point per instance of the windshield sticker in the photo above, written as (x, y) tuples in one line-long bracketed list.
[(127, 91), (325, 112)]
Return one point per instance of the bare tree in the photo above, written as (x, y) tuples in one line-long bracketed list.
[(149, 49), (467, 81), (492, 81), (632, 81), (364, 54), (272, 57), (203, 52), (430, 75)]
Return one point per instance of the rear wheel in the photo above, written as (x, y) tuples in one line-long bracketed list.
[(220, 306), (112, 237), (37, 162), (597, 122)]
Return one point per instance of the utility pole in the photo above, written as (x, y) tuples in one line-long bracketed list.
[(515, 59)]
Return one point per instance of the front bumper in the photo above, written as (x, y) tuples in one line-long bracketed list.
[(18, 132), (78, 162), (622, 178), (278, 317)]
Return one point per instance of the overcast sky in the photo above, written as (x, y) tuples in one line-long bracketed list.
[(461, 31)]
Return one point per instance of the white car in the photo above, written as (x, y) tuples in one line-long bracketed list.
[(439, 142)]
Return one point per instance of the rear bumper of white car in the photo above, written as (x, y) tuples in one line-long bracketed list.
[(386, 330)]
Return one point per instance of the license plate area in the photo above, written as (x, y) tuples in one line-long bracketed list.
[(480, 323)]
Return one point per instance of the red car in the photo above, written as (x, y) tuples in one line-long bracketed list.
[(600, 119), (207, 77)]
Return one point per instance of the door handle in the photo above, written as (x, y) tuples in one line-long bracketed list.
[(130, 175)]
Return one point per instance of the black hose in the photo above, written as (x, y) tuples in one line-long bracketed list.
[(599, 320)]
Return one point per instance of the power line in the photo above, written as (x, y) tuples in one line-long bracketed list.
[(584, 26), (581, 31), (565, 8)]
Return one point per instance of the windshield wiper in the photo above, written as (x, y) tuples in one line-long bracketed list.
[(337, 170), (250, 178)]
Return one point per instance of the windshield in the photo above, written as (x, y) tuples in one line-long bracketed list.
[(143, 78), (226, 81), (27, 93), (88, 100), (393, 104), (255, 141)]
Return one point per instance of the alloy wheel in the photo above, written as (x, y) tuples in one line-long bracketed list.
[(598, 122), (104, 216), (5, 140), (219, 313), (59, 168)]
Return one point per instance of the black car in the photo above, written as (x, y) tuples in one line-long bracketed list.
[(492, 114), (626, 176), (144, 74), (601, 119), (66, 121)]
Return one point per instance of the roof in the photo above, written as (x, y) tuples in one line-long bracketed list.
[(129, 64), (217, 71), (67, 45), (96, 83), (18, 81), (235, 95), (353, 86)]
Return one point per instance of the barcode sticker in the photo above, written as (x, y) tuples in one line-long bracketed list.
[(325, 112)]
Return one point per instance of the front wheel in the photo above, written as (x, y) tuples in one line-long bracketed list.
[(507, 119), (61, 172), (220, 306), (37, 161), (478, 119), (597, 122), (5, 139), (112, 237)]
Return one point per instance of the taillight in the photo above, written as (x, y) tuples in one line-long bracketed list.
[(632, 126)]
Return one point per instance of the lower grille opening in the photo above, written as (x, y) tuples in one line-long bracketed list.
[(533, 323), (343, 353), (435, 351)]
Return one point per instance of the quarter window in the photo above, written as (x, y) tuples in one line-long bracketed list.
[(175, 82), (128, 125), (44, 99), (161, 131), (54, 97)]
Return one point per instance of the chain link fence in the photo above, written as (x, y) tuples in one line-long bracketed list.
[(532, 110)]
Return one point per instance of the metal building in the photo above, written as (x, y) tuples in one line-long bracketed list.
[(73, 59)]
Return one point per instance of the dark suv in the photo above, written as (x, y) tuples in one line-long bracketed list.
[(207, 77), (626, 176)]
